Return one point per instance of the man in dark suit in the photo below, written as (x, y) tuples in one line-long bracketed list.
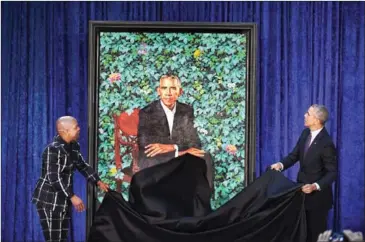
[(166, 128), (53, 194), (318, 169)]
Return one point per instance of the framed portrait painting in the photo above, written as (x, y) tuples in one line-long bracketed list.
[(215, 63)]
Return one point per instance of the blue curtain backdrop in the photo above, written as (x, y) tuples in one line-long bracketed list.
[(308, 52)]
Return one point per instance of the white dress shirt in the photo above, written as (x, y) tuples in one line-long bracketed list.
[(314, 134), (170, 114)]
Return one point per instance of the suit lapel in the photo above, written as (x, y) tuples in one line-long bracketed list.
[(63, 150), (61, 145), (162, 117), (177, 116), (314, 144), (302, 144)]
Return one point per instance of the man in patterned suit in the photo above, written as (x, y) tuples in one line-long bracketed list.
[(53, 194), (318, 169)]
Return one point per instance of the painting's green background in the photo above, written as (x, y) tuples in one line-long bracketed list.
[(212, 69)]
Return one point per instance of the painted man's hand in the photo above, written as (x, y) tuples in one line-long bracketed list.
[(103, 186), (156, 149), (193, 151)]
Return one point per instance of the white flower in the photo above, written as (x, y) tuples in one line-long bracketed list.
[(146, 91), (119, 175), (203, 131), (231, 85)]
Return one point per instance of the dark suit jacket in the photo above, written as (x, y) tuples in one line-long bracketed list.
[(55, 186), (153, 128), (318, 165)]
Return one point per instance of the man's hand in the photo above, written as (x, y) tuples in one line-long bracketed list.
[(156, 149), (309, 188), (103, 186), (276, 166), (193, 151), (77, 203)]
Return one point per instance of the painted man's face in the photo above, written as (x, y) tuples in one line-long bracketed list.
[(169, 91)]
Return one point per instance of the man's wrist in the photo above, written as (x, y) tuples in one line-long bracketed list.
[(317, 187)]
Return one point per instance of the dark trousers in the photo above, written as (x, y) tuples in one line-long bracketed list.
[(55, 224), (316, 223)]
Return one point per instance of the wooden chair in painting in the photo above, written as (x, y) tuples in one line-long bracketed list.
[(125, 134)]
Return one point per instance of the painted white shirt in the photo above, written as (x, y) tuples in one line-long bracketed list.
[(170, 114)]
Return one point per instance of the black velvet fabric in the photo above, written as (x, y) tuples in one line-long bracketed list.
[(170, 203)]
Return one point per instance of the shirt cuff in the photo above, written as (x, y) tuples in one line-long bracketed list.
[(176, 150), (317, 186), (282, 166)]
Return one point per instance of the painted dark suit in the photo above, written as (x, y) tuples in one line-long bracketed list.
[(153, 128)]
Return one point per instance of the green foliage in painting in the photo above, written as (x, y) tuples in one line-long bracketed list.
[(212, 69)]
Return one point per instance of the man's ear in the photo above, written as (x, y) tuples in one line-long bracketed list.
[(158, 91), (62, 133), (65, 131), (181, 92)]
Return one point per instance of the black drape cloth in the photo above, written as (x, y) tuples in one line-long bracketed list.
[(170, 203)]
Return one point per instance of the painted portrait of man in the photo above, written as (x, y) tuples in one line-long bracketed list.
[(162, 95)]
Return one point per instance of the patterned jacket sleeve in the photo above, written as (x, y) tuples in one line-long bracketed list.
[(53, 162), (84, 168)]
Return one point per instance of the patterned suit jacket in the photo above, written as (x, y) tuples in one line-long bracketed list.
[(54, 188)]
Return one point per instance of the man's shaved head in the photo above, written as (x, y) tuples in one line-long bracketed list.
[(68, 128), (65, 122)]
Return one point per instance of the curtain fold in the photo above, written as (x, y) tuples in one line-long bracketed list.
[(307, 52)]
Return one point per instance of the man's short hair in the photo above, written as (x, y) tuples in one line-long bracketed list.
[(321, 112), (171, 76)]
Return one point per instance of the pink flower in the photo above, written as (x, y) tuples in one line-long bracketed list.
[(114, 77), (231, 149)]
